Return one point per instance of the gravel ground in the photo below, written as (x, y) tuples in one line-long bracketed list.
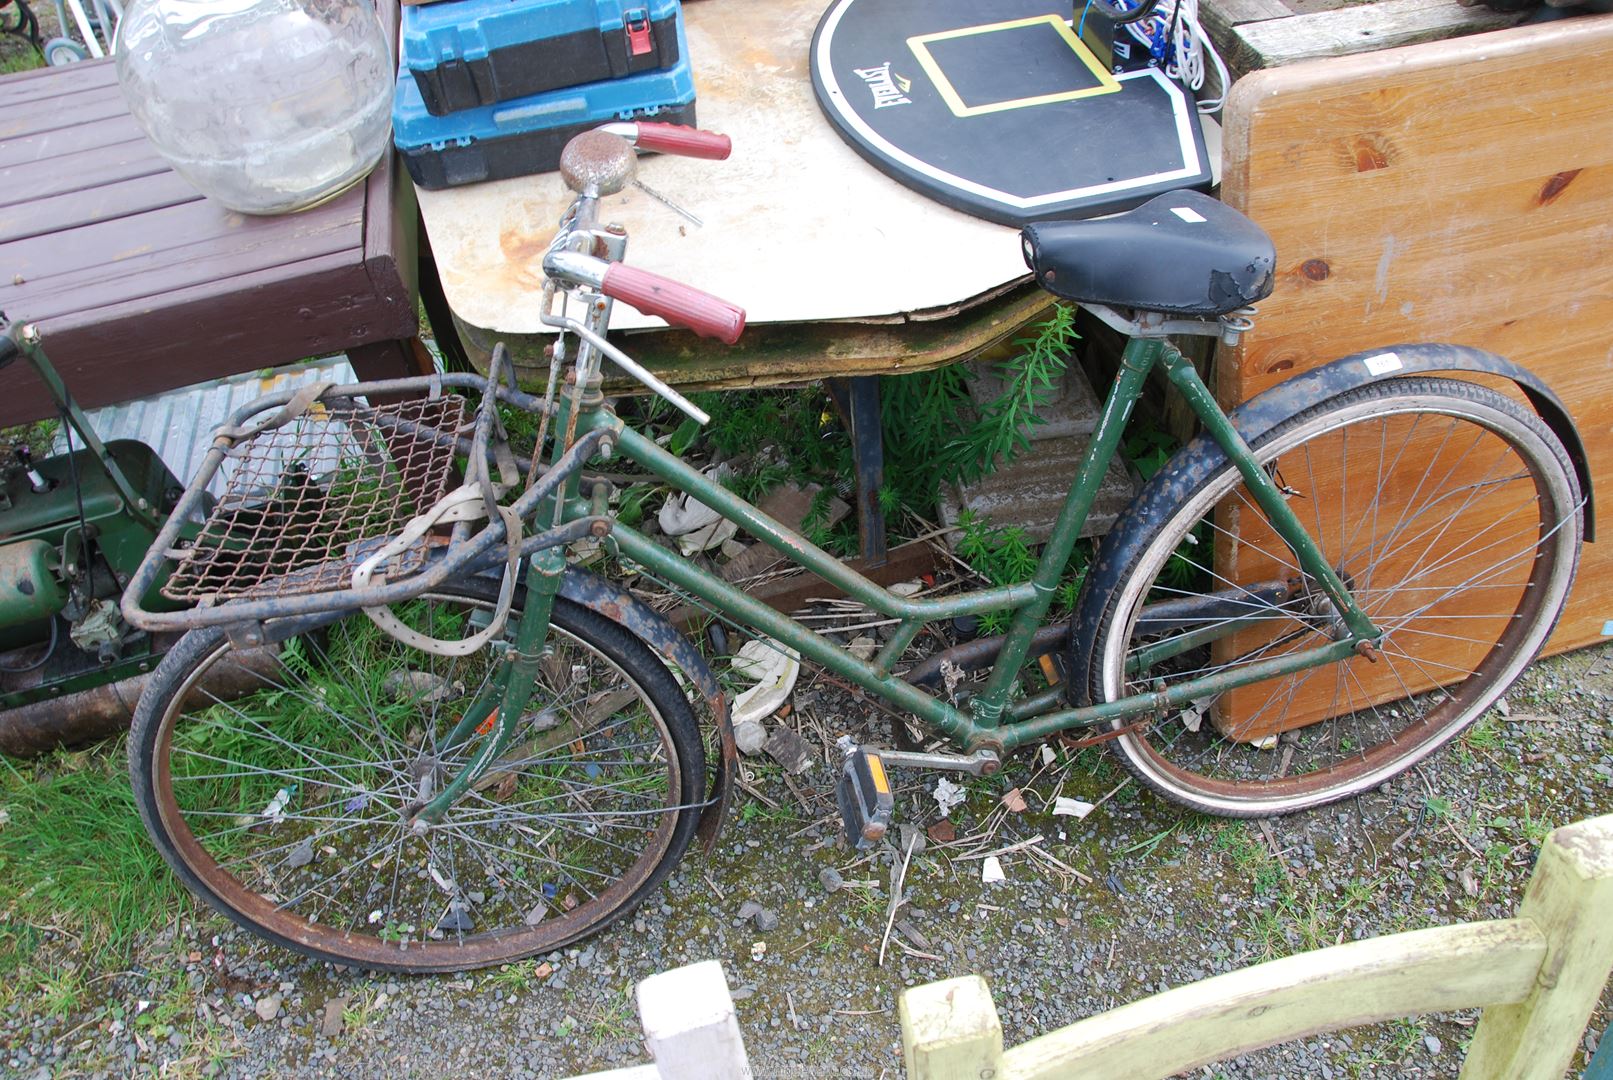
[(1146, 898)]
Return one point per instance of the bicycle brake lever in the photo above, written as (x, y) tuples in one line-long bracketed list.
[(628, 364)]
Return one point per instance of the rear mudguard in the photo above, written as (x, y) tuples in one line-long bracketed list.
[(651, 627), (1265, 411)]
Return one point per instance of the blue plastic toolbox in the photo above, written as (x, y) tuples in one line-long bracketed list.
[(515, 138), (467, 53)]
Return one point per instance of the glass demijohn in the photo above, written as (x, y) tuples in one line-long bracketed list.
[(265, 105)]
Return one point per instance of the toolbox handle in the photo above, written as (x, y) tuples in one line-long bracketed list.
[(676, 139), (677, 303)]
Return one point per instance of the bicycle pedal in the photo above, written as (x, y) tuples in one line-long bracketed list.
[(866, 801)]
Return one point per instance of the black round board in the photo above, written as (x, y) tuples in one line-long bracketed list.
[(996, 108)]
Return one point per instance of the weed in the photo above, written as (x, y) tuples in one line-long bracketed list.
[(521, 975), (1484, 734), (61, 991)]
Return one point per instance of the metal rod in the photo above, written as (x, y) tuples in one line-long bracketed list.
[(802, 552), (1135, 362), (757, 615), (1185, 377), (1028, 731)]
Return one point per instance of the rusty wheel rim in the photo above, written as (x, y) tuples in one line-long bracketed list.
[(357, 936)]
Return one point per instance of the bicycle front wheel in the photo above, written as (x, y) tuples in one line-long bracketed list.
[(1451, 513), (288, 807)]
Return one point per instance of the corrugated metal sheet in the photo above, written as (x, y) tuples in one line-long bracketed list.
[(179, 424)]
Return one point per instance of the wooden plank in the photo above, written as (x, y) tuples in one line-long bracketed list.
[(1360, 28), (178, 247), (950, 1030), (53, 114), (59, 213), (786, 354), (690, 1025), (1435, 970), (1570, 898), (217, 328), (1221, 20), (85, 169), (1453, 191), (69, 139)]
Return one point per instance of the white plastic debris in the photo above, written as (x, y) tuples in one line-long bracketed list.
[(906, 588), (948, 796), (991, 871), (697, 525), (1268, 743), (1068, 807), (1047, 755), (1193, 716), (774, 668), (276, 810), (758, 950), (446, 884)]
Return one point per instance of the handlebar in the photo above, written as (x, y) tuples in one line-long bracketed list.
[(674, 139), (677, 303), (595, 165)]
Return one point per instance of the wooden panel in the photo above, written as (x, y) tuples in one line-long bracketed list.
[(1457, 191)]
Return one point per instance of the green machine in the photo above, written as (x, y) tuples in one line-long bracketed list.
[(73, 528)]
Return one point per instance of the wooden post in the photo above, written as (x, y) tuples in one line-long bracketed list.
[(1570, 898), (690, 1026), (950, 1031)]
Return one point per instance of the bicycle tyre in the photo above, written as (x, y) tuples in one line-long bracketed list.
[(325, 722), (1234, 754)]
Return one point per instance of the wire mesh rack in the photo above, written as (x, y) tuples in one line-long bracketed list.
[(301, 499)]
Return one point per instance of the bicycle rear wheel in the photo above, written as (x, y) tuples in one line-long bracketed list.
[(288, 809), (1450, 511)]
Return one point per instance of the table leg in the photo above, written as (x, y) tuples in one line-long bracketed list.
[(857, 399), (389, 360), (438, 313)]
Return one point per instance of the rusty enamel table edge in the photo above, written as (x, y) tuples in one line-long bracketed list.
[(785, 354)]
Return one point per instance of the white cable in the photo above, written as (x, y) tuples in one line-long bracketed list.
[(1185, 48)]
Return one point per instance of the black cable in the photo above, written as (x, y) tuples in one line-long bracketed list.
[(50, 650)]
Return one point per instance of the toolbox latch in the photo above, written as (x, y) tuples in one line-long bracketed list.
[(639, 42)]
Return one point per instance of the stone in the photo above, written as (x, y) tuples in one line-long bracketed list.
[(268, 1006), (789, 750), (331, 1024), (830, 879)]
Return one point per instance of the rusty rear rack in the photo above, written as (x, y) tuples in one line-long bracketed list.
[(317, 480)]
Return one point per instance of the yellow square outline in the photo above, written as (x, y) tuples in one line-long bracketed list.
[(1107, 84)]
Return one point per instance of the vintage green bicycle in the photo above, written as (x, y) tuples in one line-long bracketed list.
[(406, 732)]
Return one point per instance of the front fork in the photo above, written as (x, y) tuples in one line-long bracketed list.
[(496, 712)]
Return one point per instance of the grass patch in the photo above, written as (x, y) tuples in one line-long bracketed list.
[(73, 855)]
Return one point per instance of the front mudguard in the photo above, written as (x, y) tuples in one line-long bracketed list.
[(1265, 411), (651, 627)]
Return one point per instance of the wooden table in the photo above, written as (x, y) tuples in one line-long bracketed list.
[(141, 285), (845, 274)]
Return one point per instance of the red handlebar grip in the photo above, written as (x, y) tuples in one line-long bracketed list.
[(677, 303), (687, 141)]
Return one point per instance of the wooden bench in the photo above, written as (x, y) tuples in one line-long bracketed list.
[(141, 285)]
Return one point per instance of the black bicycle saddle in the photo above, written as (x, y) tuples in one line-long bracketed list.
[(1182, 253)]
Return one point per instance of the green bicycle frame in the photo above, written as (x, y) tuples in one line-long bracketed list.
[(989, 722)]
